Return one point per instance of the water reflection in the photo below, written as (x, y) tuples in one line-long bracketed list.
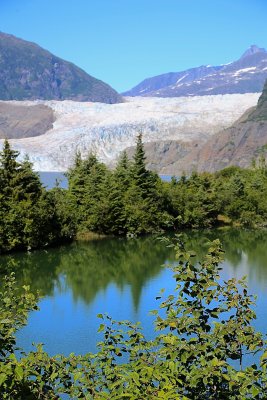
[(90, 267), (120, 277), (245, 252)]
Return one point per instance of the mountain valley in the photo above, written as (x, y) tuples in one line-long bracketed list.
[(204, 118), (107, 129)]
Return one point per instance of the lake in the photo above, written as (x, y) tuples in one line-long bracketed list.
[(50, 179), (121, 277)]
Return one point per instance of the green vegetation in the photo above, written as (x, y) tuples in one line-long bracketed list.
[(232, 195), (30, 217), (260, 113), (29, 72), (133, 200), (130, 200), (203, 334)]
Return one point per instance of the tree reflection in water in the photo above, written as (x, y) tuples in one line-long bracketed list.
[(89, 267)]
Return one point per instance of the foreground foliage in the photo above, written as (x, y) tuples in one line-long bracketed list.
[(203, 336)]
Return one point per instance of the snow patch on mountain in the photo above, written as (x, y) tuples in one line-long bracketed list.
[(107, 129), (244, 70)]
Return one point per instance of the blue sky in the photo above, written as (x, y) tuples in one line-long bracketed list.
[(123, 42)]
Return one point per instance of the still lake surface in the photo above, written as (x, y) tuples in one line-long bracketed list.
[(121, 277), (50, 179)]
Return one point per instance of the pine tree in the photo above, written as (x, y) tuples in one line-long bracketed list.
[(26, 182), (88, 191), (8, 168), (27, 213), (139, 166), (119, 184)]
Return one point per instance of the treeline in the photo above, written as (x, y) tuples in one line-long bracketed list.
[(130, 200), (231, 196), (30, 216), (133, 200)]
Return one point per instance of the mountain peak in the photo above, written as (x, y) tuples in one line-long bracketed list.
[(253, 49)]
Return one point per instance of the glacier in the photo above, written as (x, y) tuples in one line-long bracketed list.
[(107, 129)]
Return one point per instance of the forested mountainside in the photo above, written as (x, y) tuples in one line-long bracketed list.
[(28, 72)]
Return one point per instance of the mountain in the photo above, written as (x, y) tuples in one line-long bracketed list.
[(177, 125), (21, 121), (246, 75), (28, 72), (239, 144)]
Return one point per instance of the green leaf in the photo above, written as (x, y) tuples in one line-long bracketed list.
[(255, 391), (3, 378), (101, 328), (19, 372)]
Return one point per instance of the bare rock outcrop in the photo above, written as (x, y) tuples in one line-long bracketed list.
[(237, 145), (21, 121)]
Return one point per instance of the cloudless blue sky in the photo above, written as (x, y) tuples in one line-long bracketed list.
[(123, 42)]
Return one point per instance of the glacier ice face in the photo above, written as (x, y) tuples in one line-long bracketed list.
[(107, 129)]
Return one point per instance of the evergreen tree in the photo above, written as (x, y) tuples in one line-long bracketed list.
[(122, 171), (27, 214), (119, 184), (88, 191), (8, 168), (139, 166)]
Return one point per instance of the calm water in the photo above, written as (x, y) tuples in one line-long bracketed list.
[(50, 179), (121, 277)]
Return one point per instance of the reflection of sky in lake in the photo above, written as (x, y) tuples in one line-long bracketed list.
[(65, 325), (122, 278)]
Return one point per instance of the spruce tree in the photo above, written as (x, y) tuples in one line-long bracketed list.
[(27, 213), (139, 166), (88, 191), (120, 182), (26, 182), (8, 168)]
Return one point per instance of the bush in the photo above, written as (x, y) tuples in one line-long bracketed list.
[(203, 335)]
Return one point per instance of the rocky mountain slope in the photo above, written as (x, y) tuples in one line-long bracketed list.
[(29, 72), (24, 121), (106, 129), (246, 75), (237, 145)]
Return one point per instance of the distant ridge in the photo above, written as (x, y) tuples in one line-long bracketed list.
[(28, 72), (239, 144), (246, 75)]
